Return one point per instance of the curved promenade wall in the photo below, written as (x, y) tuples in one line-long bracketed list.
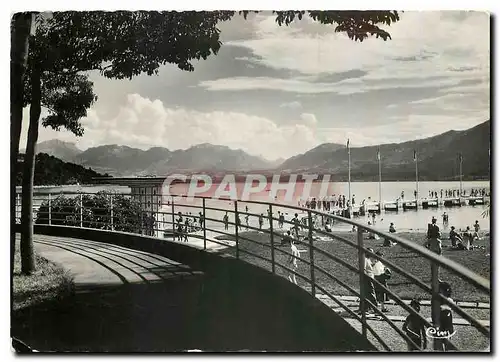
[(241, 306)]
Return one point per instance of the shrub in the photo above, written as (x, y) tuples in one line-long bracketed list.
[(96, 212)]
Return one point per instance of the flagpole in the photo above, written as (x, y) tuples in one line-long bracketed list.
[(416, 178), (349, 174), (379, 182), (461, 160)]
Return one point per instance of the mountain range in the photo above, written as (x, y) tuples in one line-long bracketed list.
[(437, 158)]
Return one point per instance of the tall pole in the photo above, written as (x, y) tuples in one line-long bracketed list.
[(416, 176), (461, 160), (379, 180), (349, 174)]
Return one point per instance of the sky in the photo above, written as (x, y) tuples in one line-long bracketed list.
[(278, 91)]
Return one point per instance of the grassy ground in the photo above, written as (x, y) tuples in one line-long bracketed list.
[(478, 260), (49, 281)]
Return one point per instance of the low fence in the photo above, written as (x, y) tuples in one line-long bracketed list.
[(254, 232)]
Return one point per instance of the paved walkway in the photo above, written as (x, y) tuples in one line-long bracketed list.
[(99, 264)]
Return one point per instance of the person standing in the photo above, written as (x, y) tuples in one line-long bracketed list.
[(180, 221), (225, 219), (238, 223), (445, 218), (381, 274), (286, 239), (201, 220), (187, 226), (269, 217), (476, 231), (445, 316), (293, 261), (281, 219), (468, 238), (261, 221), (414, 328), (296, 225), (368, 283), (433, 237)]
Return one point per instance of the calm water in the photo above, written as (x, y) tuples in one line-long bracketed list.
[(460, 217)]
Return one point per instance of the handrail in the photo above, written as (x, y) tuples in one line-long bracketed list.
[(109, 218)]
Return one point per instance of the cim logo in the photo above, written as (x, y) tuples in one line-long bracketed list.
[(435, 333)]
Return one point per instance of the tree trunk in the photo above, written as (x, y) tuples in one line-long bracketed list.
[(27, 249), (20, 30)]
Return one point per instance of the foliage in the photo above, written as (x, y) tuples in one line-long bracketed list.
[(95, 213), (357, 24), (123, 44), (50, 170)]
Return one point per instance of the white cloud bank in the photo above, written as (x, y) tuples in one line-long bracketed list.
[(144, 123)]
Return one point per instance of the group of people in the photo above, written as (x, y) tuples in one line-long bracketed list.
[(415, 327), (375, 270), (186, 224), (328, 203), (456, 193), (459, 240)]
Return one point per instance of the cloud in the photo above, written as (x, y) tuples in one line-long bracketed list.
[(411, 127), (309, 119), (433, 36), (435, 48), (303, 85), (291, 105), (144, 123)]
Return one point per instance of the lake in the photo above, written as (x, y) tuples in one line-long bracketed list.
[(460, 217)]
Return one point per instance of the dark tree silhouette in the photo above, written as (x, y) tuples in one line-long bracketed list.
[(124, 44)]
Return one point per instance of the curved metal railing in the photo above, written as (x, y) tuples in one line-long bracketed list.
[(322, 270)]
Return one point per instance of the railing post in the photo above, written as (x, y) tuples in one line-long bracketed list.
[(204, 226), (311, 253), (142, 221), (18, 206), (236, 232), (362, 276), (111, 211), (173, 219), (273, 267), (435, 302), (81, 210), (50, 209)]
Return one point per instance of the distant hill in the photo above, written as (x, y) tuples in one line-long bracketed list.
[(122, 159), (437, 158), (50, 170), (312, 158), (66, 151), (207, 156)]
